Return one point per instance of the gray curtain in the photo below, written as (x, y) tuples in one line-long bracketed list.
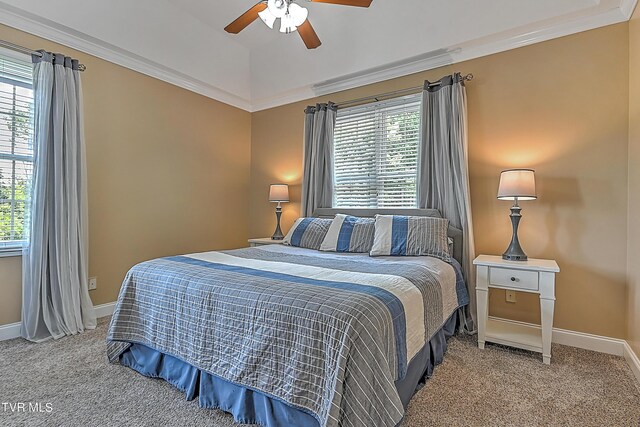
[(443, 174), (317, 182), (55, 295)]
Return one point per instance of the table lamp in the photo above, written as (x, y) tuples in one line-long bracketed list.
[(516, 184), (278, 193)]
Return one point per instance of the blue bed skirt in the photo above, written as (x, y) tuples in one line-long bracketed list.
[(252, 407)]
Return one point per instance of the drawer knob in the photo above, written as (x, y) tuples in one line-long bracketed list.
[(514, 279)]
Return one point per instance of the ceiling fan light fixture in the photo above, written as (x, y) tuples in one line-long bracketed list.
[(287, 24), (298, 14), (278, 8), (292, 16), (267, 17)]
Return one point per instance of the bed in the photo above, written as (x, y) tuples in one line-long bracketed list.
[(284, 336)]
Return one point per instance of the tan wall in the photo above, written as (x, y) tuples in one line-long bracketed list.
[(633, 252), (168, 169), (560, 107), (10, 286), (168, 173)]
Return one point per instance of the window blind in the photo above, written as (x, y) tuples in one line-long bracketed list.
[(16, 148), (376, 154)]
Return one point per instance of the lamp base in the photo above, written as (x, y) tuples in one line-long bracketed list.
[(514, 257), (277, 235), (514, 252)]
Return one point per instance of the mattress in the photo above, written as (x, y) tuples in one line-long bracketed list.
[(327, 334)]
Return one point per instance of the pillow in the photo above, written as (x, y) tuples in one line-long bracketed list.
[(349, 234), (307, 233), (411, 236)]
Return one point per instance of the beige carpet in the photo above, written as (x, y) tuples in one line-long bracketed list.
[(494, 387)]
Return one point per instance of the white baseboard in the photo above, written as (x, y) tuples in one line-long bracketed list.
[(12, 330), (586, 341), (9, 331), (104, 310), (598, 343), (576, 339), (632, 360)]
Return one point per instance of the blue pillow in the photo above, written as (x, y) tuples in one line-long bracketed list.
[(307, 233), (411, 236), (349, 234)]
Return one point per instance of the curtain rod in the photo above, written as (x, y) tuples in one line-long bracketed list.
[(395, 93), (22, 49)]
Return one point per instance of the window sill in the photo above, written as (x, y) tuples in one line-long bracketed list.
[(10, 252)]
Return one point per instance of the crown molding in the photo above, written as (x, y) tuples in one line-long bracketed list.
[(396, 69), (288, 97), (605, 12), (47, 29), (627, 7), (405, 67)]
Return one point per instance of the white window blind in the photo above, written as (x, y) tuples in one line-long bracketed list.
[(376, 154), (16, 148)]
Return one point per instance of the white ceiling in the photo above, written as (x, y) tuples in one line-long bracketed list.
[(183, 41)]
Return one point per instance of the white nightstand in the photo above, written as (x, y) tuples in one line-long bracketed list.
[(263, 241), (535, 276)]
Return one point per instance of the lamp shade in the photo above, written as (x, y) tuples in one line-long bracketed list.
[(517, 184), (286, 24), (278, 8), (267, 17), (279, 193), (298, 14)]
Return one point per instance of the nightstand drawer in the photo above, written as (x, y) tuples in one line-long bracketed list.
[(512, 278)]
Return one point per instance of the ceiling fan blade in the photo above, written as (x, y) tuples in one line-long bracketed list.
[(245, 19), (309, 36), (358, 3)]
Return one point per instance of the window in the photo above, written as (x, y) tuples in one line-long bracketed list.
[(376, 154), (16, 148)]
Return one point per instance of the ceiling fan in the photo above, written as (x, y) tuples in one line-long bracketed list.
[(293, 17)]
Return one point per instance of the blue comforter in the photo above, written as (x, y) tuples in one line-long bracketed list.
[(325, 333)]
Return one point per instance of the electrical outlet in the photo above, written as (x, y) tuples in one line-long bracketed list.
[(93, 283), (511, 296)]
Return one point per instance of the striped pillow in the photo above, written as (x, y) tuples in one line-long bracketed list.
[(307, 233), (349, 234), (411, 236)]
